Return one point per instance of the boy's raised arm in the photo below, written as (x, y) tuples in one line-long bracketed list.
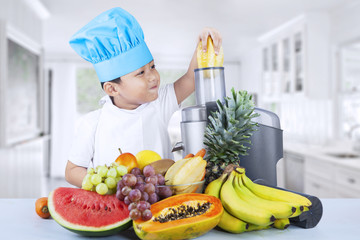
[(185, 85)]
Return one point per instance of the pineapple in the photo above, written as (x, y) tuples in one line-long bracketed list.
[(228, 130)]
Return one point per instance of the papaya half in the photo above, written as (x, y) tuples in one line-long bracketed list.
[(181, 216)]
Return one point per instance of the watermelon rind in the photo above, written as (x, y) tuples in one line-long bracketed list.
[(85, 230)]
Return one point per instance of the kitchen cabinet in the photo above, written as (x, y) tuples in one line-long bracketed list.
[(323, 174), (284, 64), (330, 179), (319, 187), (295, 59), (320, 168), (294, 172), (344, 192), (347, 182), (319, 178)]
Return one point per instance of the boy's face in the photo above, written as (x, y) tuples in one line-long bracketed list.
[(138, 87)]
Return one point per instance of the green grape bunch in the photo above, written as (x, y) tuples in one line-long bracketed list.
[(103, 179)]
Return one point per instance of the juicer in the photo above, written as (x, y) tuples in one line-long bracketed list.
[(267, 146)]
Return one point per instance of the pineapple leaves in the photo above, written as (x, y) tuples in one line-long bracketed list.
[(229, 129)]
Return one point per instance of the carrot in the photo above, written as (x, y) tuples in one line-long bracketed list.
[(41, 207), (200, 153), (190, 155)]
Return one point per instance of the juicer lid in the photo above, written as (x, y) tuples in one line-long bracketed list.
[(267, 118), (194, 114), (208, 68)]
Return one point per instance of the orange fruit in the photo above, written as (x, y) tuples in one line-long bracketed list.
[(128, 160)]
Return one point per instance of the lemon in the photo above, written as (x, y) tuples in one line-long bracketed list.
[(209, 58), (146, 157)]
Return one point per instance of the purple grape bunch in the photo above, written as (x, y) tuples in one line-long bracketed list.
[(141, 189)]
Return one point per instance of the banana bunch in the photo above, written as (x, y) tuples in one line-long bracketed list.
[(249, 206)]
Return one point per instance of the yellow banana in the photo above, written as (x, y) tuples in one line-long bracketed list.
[(214, 187), (282, 223), (241, 209), (299, 210), (232, 224), (253, 227), (278, 209), (275, 194), (240, 170), (209, 58), (227, 222)]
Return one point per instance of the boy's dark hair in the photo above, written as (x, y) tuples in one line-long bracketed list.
[(116, 80)]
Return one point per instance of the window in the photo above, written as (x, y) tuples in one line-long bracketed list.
[(88, 90), (21, 100)]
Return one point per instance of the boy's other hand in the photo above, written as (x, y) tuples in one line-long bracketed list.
[(216, 38)]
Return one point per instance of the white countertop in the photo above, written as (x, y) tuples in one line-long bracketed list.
[(340, 220), (324, 153)]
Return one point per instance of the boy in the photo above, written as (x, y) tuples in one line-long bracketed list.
[(136, 112)]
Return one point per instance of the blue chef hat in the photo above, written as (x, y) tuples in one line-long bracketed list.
[(114, 43)]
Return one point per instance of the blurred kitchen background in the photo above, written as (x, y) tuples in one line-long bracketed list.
[(299, 58)]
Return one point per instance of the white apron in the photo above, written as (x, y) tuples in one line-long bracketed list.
[(131, 130)]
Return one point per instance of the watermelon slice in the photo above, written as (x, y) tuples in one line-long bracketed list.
[(88, 213)]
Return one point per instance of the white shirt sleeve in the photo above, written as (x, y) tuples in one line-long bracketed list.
[(167, 102), (82, 149)]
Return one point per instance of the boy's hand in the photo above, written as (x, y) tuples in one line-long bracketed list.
[(214, 34)]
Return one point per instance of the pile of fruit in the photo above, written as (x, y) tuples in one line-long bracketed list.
[(107, 189), (163, 199)]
